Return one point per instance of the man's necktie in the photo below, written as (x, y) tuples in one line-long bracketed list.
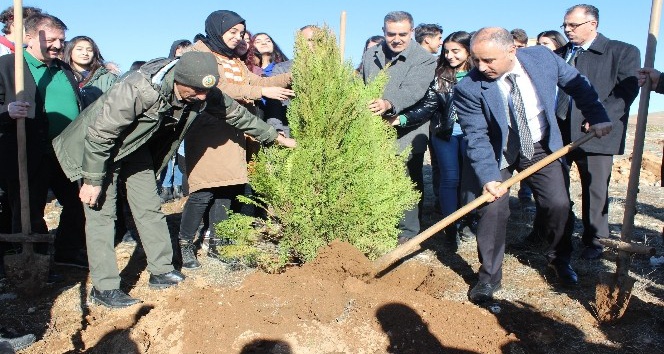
[(525, 138), (563, 101)]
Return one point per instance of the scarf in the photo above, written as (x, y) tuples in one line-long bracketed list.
[(218, 23)]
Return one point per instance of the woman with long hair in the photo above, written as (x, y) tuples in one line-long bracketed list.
[(267, 52), (551, 39), (84, 57)]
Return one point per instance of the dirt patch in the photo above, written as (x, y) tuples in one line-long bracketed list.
[(331, 306)]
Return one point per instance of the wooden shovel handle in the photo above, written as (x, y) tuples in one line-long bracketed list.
[(390, 258)]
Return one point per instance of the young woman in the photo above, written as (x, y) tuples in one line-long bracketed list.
[(267, 52), (551, 39), (446, 135), (215, 153), (82, 54)]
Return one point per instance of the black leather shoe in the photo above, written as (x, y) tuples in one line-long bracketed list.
[(483, 292), (114, 299), (592, 252), (566, 275), (162, 281)]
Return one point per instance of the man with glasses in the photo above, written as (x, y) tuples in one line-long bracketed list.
[(611, 67)]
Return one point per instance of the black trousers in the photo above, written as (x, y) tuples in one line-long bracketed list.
[(218, 201), (595, 173), (409, 225), (552, 199), (70, 235)]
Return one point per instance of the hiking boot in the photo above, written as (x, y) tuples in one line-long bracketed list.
[(166, 280), (17, 343), (114, 298), (188, 255), (166, 195)]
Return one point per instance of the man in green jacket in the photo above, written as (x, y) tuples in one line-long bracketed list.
[(130, 133)]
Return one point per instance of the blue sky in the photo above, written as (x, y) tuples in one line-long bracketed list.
[(144, 29)]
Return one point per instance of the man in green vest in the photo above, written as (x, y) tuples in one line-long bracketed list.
[(131, 132)]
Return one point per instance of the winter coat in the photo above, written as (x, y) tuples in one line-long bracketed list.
[(100, 82), (216, 153), (136, 111)]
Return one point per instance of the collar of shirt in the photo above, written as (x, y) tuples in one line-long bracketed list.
[(32, 61)]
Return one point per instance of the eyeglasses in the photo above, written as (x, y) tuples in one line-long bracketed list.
[(573, 26)]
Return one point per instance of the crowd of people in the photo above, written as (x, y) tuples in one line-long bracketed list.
[(113, 147)]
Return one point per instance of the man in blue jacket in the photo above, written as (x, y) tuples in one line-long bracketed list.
[(506, 108)]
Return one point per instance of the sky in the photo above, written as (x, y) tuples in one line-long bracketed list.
[(144, 29)]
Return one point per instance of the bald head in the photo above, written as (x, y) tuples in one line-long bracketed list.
[(493, 51)]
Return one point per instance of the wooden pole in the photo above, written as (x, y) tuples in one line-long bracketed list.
[(342, 36), (26, 227), (623, 261), (390, 258)]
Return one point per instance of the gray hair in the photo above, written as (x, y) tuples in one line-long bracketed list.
[(497, 35), (35, 21), (398, 16), (588, 10)]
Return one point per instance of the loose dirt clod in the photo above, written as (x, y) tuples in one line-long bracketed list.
[(612, 297)]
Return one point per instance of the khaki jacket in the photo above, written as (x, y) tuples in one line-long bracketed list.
[(135, 112), (216, 153)]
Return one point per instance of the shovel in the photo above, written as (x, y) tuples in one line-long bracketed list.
[(382, 264), (28, 271)]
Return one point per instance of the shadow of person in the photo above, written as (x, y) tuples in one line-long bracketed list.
[(538, 333), (408, 333), (272, 346), (119, 340)]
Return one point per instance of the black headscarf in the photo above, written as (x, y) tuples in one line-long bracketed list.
[(215, 26)]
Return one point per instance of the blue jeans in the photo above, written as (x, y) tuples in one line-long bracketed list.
[(171, 176), (449, 155)]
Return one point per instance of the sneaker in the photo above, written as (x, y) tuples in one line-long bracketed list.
[(483, 292), (114, 298), (18, 343), (129, 238), (177, 192), (166, 280), (166, 195)]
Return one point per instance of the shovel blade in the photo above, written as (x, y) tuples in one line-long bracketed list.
[(612, 296), (27, 271)]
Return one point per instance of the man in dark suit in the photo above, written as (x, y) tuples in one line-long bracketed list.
[(506, 108), (611, 67)]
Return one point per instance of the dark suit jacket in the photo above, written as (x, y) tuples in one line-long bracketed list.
[(483, 115), (611, 67), (36, 128)]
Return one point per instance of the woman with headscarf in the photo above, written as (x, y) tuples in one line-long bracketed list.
[(216, 156)]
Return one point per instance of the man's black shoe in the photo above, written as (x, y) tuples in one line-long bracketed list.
[(483, 292), (592, 252), (54, 278), (188, 252), (114, 299), (78, 260), (162, 281), (19, 343), (564, 272)]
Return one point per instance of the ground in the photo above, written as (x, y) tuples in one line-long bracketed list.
[(331, 305)]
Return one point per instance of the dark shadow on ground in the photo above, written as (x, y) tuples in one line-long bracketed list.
[(119, 340), (273, 346), (408, 333)]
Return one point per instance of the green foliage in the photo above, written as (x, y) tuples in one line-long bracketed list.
[(345, 179)]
